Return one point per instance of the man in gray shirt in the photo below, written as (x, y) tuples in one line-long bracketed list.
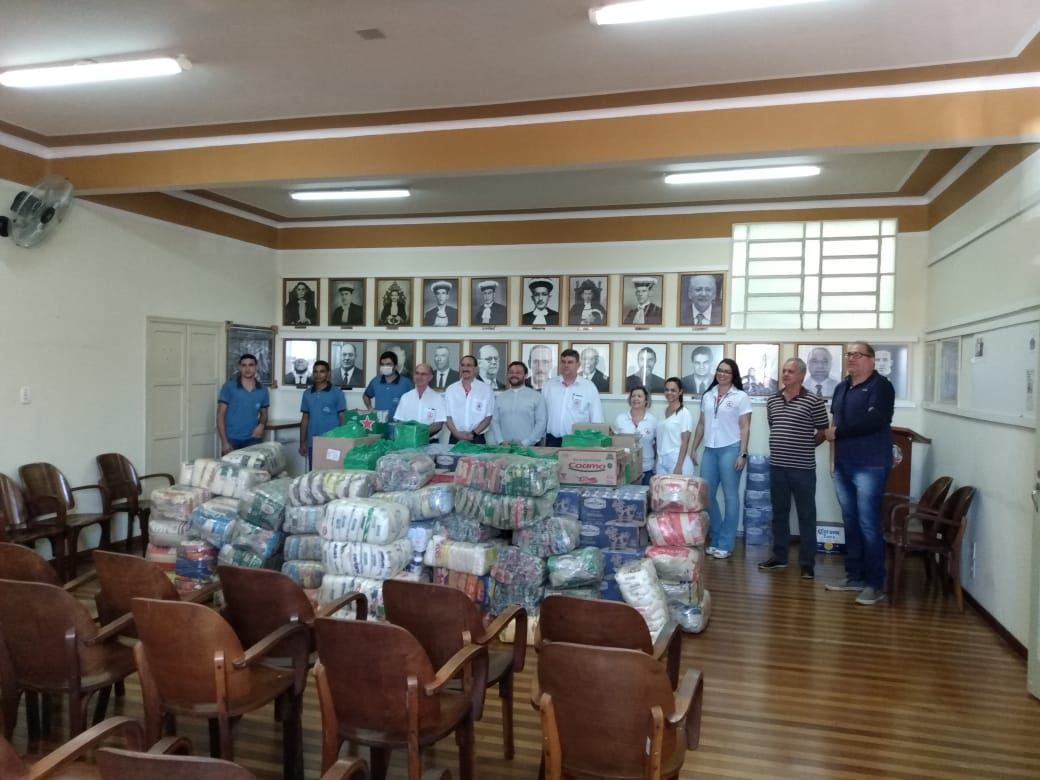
[(519, 411)]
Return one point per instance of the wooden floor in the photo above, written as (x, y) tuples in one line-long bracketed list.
[(799, 683)]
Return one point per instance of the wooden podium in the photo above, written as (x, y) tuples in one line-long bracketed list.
[(902, 452)]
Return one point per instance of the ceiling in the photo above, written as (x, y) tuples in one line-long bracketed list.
[(488, 108)]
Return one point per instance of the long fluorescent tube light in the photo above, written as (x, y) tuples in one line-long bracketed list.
[(654, 10), (350, 194), (743, 174), (91, 72)]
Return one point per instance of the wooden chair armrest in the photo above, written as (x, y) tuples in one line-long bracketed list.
[(473, 660), (79, 745), (265, 645), (78, 582), (669, 647), (111, 630), (205, 593), (325, 610), (517, 615), (106, 499), (901, 529), (45, 504), (689, 701), (348, 769), (168, 477), (171, 746)]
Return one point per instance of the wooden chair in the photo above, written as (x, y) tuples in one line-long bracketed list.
[(611, 712), (444, 619), (55, 648), (377, 687), (939, 538), (26, 565), (191, 663), (894, 505), (116, 764), (44, 479), (54, 764), (119, 477), (21, 523), (607, 624)]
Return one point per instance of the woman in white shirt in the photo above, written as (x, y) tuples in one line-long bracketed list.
[(724, 426), (638, 420), (673, 433)]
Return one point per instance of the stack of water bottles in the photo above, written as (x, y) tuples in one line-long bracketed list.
[(758, 510)]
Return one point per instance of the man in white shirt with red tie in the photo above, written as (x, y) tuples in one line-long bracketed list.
[(470, 403)]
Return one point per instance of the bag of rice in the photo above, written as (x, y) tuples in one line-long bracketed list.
[(303, 519), (364, 520), (264, 504), (460, 556), (322, 486), (367, 560), (641, 589), (404, 470), (584, 566)]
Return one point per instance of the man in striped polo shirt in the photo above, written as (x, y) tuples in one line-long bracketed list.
[(797, 421)]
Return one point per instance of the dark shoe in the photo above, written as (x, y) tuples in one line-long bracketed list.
[(808, 573), (772, 563)]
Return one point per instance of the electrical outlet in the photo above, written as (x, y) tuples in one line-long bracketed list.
[(25, 394)]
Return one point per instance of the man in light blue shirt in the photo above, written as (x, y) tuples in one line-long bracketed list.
[(323, 408), (519, 411), (242, 408)]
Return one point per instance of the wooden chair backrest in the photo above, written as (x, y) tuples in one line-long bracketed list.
[(18, 562), (46, 479), (260, 601), (955, 509), (123, 578), (436, 615), (118, 474), (113, 764), (14, 510), (934, 495), (593, 622)]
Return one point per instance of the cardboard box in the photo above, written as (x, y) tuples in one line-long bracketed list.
[(615, 559), (624, 504), (613, 536), (329, 452), (609, 590), (590, 467), (627, 441), (568, 502), (830, 539)]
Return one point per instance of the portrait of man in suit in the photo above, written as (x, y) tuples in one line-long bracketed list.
[(541, 361), (344, 294), (441, 299), (489, 366), (443, 358), (348, 363), (823, 367), (890, 360), (642, 302), (487, 296), (544, 295), (700, 360), (298, 358), (643, 367), (592, 359), (587, 301), (700, 299)]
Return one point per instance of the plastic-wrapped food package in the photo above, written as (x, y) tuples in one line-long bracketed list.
[(676, 562), (163, 556), (581, 592), (367, 560), (461, 528), (178, 501), (266, 456), (679, 528), (364, 520), (419, 534), (584, 566), (197, 561), (513, 475), (170, 533), (686, 592), (640, 588), (516, 567), (477, 587), (307, 574), (404, 470), (556, 536), (225, 479), (324, 485), (214, 519), (303, 519), (304, 547), (461, 556), (426, 503), (506, 512), (692, 618), (232, 556), (520, 594), (263, 542), (184, 473), (676, 493), (264, 504), (333, 586)]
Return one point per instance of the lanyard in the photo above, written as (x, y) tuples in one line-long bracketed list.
[(718, 401)]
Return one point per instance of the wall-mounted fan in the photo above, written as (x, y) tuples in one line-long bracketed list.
[(37, 212)]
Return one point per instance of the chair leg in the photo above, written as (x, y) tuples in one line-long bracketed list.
[(292, 737), (379, 758), (897, 571), (142, 518), (467, 758), (215, 741), (102, 704), (505, 691)]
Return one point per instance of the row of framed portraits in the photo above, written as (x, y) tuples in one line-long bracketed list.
[(485, 301), (641, 363)]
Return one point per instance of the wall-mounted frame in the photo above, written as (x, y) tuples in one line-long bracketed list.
[(542, 299), (824, 367), (646, 365), (393, 302), (489, 301), (492, 359), (642, 299), (251, 340), (759, 367), (699, 361), (949, 370), (301, 302), (347, 359), (594, 363), (443, 358), (346, 302), (542, 359), (589, 299), (892, 361), (440, 302), (702, 299), (405, 351), (298, 356)]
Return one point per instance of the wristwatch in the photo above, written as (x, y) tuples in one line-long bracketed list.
[(743, 455)]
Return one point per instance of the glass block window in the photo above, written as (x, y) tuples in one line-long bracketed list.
[(814, 275)]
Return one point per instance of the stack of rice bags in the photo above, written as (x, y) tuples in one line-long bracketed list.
[(427, 507), (255, 537), (678, 526), (266, 456), (578, 574), (170, 521)]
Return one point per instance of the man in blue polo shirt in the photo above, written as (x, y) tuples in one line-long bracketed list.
[(384, 391), (242, 408), (323, 408)]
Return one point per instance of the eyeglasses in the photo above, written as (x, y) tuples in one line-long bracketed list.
[(856, 355)]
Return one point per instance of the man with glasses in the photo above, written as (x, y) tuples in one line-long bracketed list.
[(423, 404), (861, 434)]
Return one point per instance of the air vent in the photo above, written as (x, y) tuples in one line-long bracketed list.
[(370, 34)]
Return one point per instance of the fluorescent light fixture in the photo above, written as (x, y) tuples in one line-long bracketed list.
[(743, 174), (351, 194), (654, 10), (91, 72)]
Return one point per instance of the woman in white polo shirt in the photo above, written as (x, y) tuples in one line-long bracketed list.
[(724, 426), (673, 433)]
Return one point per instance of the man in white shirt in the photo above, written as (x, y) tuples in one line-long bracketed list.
[(519, 411), (470, 404), (422, 404), (569, 399)]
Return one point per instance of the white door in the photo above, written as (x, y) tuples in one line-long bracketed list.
[(184, 362), (1033, 669)]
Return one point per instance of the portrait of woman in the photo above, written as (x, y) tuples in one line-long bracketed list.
[(587, 296), (393, 307), (301, 305)]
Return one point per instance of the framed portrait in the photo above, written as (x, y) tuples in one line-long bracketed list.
[(594, 363), (347, 360), (393, 302), (443, 357), (541, 300), (346, 302), (250, 340), (759, 368), (892, 361), (697, 366), (489, 300), (949, 370), (301, 302), (641, 299), (298, 356), (646, 366), (405, 351), (440, 302), (824, 367), (492, 361), (702, 299), (589, 300), (542, 359)]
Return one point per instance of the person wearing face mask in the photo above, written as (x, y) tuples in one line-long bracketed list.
[(384, 391)]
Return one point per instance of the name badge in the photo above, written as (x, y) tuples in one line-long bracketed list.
[(478, 407)]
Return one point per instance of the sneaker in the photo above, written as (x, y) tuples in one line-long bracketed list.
[(808, 573), (772, 563), (845, 584), (720, 554), (869, 596), (710, 551)]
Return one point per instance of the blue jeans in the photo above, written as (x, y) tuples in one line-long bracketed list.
[(646, 477), (785, 483), (859, 490), (717, 467)]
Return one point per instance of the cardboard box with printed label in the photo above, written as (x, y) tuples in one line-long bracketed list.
[(830, 539), (329, 451), (590, 467)]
